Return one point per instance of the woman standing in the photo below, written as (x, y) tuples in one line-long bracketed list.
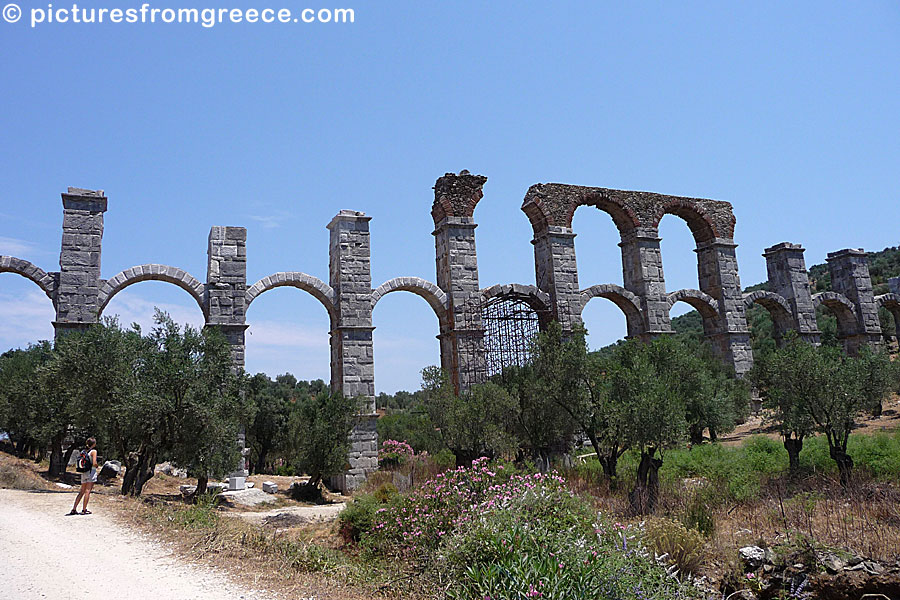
[(88, 479)]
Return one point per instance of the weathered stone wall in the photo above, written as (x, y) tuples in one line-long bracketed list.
[(787, 276), (79, 259), (849, 270), (462, 332), (352, 359)]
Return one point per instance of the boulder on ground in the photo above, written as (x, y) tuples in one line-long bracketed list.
[(110, 469), (167, 468), (753, 556)]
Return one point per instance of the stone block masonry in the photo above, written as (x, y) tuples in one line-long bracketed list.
[(79, 295)]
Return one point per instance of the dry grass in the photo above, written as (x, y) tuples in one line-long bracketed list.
[(295, 562), (20, 474)]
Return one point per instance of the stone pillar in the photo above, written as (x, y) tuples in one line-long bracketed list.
[(718, 276), (850, 277), (788, 278), (556, 272), (462, 334), (894, 285), (226, 284), (352, 362), (79, 259), (642, 272)]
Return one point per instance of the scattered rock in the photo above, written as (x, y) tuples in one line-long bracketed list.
[(64, 486), (753, 556), (249, 484), (832, 562), (247, 497), (110, 469), (168, 468), (269, 487)]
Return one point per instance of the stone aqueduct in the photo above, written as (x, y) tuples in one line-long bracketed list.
[(79, 294)]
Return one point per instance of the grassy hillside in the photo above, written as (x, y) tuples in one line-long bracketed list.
[(882, 266)]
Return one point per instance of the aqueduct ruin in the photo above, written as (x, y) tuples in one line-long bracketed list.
[(481, 329)]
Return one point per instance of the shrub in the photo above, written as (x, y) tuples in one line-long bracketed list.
[(681, 546), (394, 453)]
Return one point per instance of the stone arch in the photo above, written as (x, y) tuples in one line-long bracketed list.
[(553, 205), (891, 303), (842, 308), (46, 281), (706, 305), (432, 294), (705, 227), (313, 285), (627, 302), (778, 308), (535, 298), (151, 272)]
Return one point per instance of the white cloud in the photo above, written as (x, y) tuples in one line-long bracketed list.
[(16, 247), (25, 318), (130, 308), (270, 221)]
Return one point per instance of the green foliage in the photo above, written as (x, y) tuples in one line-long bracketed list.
[(413, 425), (473, 423), (818, 388), (494, 532), (320, 427)]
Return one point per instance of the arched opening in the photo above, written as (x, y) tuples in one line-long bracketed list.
[(26, 313), (706, 307), (402, 352), (769, 319), (137, 303), (288, 333), (836, 318), (605, 322), (599, 261), (680, 261)]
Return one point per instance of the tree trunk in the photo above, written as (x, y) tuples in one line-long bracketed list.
[(261, 460), (68, 455), (696, 434), (57, 466), (713, 436), (139, 470), (793, 447), (844, 463), (202, 482), (610, 464), (646, 486)]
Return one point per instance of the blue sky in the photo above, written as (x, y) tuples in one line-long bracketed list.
[(791, 111)]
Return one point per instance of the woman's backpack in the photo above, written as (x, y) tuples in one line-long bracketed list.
[(85, 463)]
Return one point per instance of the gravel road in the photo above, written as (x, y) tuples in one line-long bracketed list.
[(46, 554)]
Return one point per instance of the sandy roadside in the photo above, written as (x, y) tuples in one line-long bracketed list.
[(44, 553)]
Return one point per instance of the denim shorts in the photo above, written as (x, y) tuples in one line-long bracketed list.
[(89, 476)]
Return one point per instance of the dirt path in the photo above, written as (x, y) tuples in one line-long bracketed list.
[(45, 552)]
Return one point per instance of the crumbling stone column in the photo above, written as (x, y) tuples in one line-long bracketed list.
[(718, 276), (894, 285), (226, 284), (352, 362), (79, 259), (642, 272), (462, 334), (849, 270), (556, 272), (788, 278)]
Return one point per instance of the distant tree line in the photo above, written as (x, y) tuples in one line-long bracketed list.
[(169, 395)]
